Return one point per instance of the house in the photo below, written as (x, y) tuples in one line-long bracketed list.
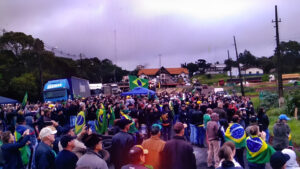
[(168, 77), (234, 72), (252, 71), (215, 69)]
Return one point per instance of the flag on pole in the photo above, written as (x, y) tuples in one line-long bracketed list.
[(24, 151), (101, 122), (137, 82), (24, 102), (80, 122)]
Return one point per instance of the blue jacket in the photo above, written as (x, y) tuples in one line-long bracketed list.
[(12, 155), (44, 157)]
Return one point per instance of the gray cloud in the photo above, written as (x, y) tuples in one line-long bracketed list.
[(181, 33)]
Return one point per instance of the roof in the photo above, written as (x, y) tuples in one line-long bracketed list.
[(172, 71), (5, 100), (291, 76)]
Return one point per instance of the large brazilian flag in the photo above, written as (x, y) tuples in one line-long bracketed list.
[(132, 128), (25, 151), (111, 117), (101, 122), (80, 122), (258, 151), (236, 134), (137, 82)]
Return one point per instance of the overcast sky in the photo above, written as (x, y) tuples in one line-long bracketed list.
[(140, 30)]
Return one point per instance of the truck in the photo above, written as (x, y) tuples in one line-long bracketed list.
[(65, 89)]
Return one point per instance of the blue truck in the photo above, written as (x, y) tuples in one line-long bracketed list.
[(65, 89)]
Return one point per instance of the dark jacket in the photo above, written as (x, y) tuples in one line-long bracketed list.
[(228, 165), (66, 160), (121, 144), (178, 154), (12, 155), (263, 121), (196, 117), (281, 133), (44, 157)]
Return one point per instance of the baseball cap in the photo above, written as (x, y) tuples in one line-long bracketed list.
[(284, 117), (65, 140), (278, 159), (179, 126), (46, 131)]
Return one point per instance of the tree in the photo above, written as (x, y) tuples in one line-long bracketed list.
[(247, 59), (290, 58), (24, 83)]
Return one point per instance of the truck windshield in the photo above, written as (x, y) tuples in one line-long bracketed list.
[(55, 93)]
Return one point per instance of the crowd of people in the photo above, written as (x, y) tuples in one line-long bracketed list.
[(136, 132)]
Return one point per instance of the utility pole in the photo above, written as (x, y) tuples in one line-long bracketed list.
[(80, 55), (230, 65), (115, 53), (38, 47), (240, 76), (278, 56)]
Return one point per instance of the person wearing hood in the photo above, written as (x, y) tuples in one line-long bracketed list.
[(292, 162), (213, 141)]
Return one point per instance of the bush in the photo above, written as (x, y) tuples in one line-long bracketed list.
[(265, 78), (268, 100)]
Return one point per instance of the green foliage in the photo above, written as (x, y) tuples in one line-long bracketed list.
[(21, 56), (268, 100), (256, 102), (265, 78), (292, 100), (211, 79), (24, 83)]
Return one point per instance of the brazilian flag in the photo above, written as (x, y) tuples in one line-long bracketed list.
[(137, 82), (171, 106), (258, 151), (25, 151), (101, 122), (112, 117), (236, 134), (80, 122), (132, 128), (24, 102)]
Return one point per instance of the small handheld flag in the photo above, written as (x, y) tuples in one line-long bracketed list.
[(24, 102)]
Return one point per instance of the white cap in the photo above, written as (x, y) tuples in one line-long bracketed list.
[(46, 131)]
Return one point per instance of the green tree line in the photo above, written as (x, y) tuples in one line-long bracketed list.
[(25, 65), (290, 60)]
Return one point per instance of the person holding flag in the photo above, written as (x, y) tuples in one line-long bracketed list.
[(124, 115), (101, 122), (258, 151), (10, 149), (24, 102), (80, 119), (236, 134), (111, 116)]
